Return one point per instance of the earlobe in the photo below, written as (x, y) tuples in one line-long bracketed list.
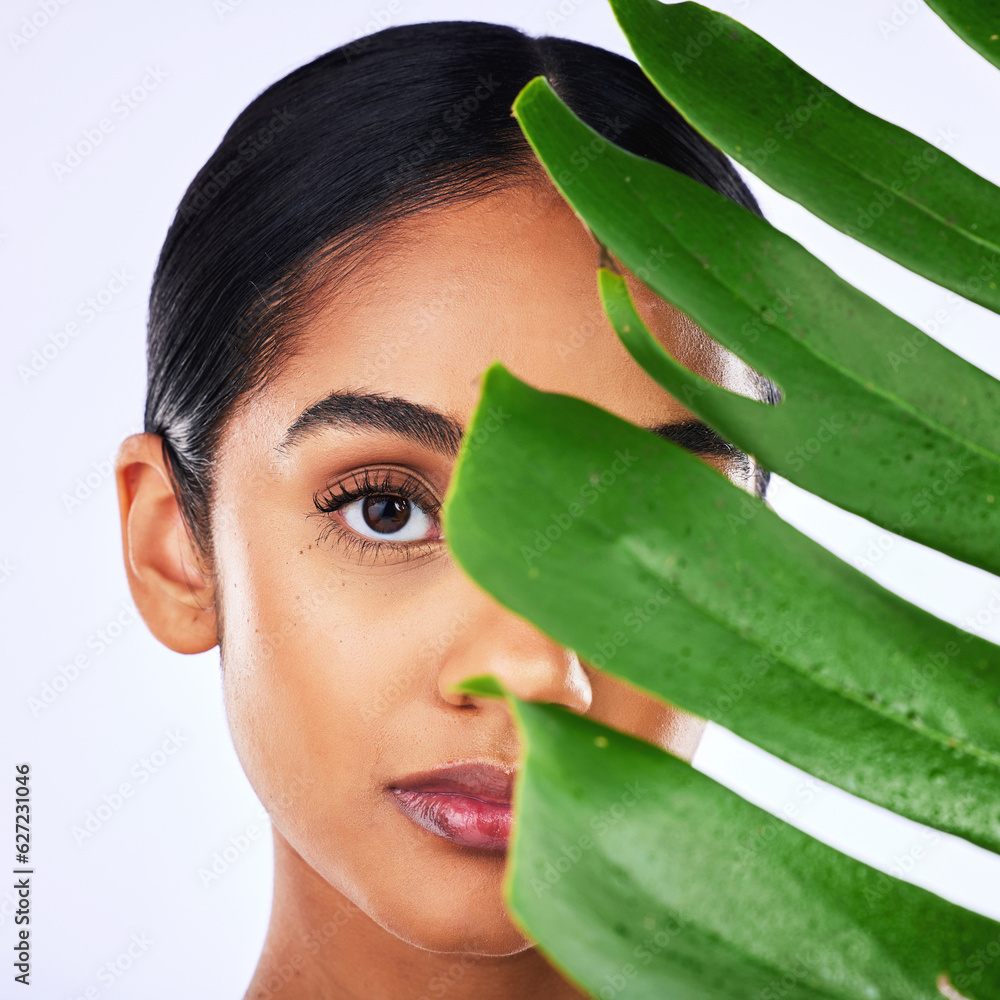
[(170, 584)]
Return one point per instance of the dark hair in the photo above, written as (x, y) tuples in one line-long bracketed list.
[(322, 163)]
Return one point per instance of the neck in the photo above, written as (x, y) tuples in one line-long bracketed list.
[(320, 946)]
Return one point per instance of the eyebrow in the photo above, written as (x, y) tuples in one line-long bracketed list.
[(438, 432), (697, 438), (388, 414)]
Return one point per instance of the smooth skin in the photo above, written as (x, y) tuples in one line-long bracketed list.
[(340, 657)]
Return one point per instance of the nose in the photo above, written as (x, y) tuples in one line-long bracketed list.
[(527, 662)]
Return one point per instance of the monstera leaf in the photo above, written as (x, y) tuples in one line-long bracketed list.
[(627, 870), (879, 429), (897, 193), (631, 542), (630, 869), (974, 22)]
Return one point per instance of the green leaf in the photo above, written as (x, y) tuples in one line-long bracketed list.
[(875, 181), (486, 685), (877, 417), (653, 566), (974, 22), (642, 878)]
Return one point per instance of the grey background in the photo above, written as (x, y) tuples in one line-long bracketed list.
[(133, 876)]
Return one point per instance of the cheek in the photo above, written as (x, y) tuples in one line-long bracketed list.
[(317, 662)]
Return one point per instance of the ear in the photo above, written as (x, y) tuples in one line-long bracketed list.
[(170, 584)]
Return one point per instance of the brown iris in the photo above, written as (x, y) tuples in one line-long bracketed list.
[(385, 514)]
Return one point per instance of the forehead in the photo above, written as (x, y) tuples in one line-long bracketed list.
[(511, 277)]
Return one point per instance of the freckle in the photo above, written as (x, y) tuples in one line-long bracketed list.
[(300, 551)]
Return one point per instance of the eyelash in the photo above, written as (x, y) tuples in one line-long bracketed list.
[(364, 484)]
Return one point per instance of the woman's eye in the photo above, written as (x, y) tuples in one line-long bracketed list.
[(387, 517)]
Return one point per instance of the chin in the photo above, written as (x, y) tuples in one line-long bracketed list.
[(436, 897), (474, 929)]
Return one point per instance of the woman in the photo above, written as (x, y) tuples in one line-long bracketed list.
[(371, 233)]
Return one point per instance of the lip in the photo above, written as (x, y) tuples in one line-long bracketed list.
[(467, 803)]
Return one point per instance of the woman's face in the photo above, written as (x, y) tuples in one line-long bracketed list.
[(345, 622)]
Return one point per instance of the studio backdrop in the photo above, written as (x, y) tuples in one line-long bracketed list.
[(150, 856)]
